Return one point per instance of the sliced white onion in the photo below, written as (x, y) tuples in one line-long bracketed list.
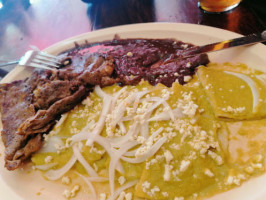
[(144, 130), (251, 84), (127, 118), (114, 159), (58, 173), (151, 138), (154, 106), (262, 78), (50, 145), (88, 182), (164, 116), (83, 134), (116, 96), (130, 153), (107, 102), (45, 166), (61, 121), (139, 95), (121, 108), (133, 130), (165, 104), (178, 113), (122, 127), (101, 93), (170, 111), (107, 146), (148, 154), (98, 179), (122, 188), (84, 163), (155, 134)]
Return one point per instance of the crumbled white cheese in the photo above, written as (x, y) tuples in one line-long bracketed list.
[(257, 158), (151, 162), (184, 46), (168, 156), (128, 196), (184, 165), (187, 78), (95, 167), (201, 110), (153, 190), (145, 186), (167, 172), (46, 137), (65, 180), (175, 174), (68, 142), (234, 179), (102, 196), (121, 196), (165, 194), (48, 159), (193, 121), (87, 101), (230, 109), (70, 194), (249, 169), (94, 149), (74, 191), (257, 165), (208, 172), (129, 54), (165, 94), (187, 105), (179, 198), (188, 64), (216, 157), (175, 146), (141, 139), (74, 123), (121, 180), (66, 193)]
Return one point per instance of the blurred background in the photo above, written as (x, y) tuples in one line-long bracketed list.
[(41, 23)]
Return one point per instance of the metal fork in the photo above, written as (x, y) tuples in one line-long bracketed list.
[(36, 59)]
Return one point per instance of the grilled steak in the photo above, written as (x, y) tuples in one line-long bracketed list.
[(30, 107)]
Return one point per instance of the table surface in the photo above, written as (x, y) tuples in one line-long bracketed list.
[(41, 23)]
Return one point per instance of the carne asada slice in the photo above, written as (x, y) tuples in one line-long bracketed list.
[(29, 108)]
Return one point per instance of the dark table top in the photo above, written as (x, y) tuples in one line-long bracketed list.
[(41, 23)]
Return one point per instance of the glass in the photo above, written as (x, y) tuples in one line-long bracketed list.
[(218, 5)]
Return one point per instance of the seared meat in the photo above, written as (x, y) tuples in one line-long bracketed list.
[(16, 107), (29, 108), (42, 121)]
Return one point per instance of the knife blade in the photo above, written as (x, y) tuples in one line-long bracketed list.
[(249, 39)]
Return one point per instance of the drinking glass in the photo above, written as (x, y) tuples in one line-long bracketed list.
[(217, 6)]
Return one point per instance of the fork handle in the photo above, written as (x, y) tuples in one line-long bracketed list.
[(9, 63)]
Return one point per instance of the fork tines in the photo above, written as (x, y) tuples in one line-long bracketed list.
[(40, 59)]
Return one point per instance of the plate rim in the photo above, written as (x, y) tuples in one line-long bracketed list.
[(111, 30)]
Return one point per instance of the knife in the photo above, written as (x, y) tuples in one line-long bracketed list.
[(249, 39)]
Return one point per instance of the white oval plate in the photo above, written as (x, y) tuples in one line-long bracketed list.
[(18, 185)]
